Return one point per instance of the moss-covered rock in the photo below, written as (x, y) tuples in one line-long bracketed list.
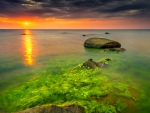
[(54, 109), (89, 88), (92, 64)]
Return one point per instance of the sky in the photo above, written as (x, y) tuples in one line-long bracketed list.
[(75, 14)]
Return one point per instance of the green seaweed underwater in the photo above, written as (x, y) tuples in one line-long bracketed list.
[(95, 90)]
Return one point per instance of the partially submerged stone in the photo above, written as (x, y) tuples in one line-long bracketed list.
[(92, 64), (108, 59), (101, 43), (107, 33)]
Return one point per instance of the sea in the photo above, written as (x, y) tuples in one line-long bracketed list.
[(27, 50)]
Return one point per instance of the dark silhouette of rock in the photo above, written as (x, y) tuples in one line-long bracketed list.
[(92, 64), (54, 109), (107, 33), (83, 35), (108, 59), (101, 43), (25, 34)]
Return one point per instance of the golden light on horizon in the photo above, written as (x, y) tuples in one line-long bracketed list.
[(82, 23), (28, 48), (26, 23)]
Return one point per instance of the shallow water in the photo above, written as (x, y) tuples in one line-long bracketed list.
[(24, 51)]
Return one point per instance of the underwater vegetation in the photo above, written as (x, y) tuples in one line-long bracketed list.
[(89, 88)]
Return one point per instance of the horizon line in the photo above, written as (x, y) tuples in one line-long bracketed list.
[(73, 29)]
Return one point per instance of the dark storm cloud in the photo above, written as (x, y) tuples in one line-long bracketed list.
[(75, 8), (136, 6)]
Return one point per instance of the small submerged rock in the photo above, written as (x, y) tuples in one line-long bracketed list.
[(107, 33), (108, 59), (25, 34)]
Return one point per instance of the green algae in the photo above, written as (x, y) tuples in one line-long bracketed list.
[(114, 89), (122, 90), (120, 106), (88, 88)]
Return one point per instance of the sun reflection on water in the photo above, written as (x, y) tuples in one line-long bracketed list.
[(28, 48)]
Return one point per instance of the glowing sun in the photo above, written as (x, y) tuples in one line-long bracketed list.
[(26, 23)]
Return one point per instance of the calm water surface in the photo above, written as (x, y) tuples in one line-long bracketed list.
[(24, 51)]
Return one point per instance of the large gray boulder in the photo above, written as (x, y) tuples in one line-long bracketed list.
[(101, 43)]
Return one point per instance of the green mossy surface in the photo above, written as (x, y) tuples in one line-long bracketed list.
[(91, 89), (122, 87)]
